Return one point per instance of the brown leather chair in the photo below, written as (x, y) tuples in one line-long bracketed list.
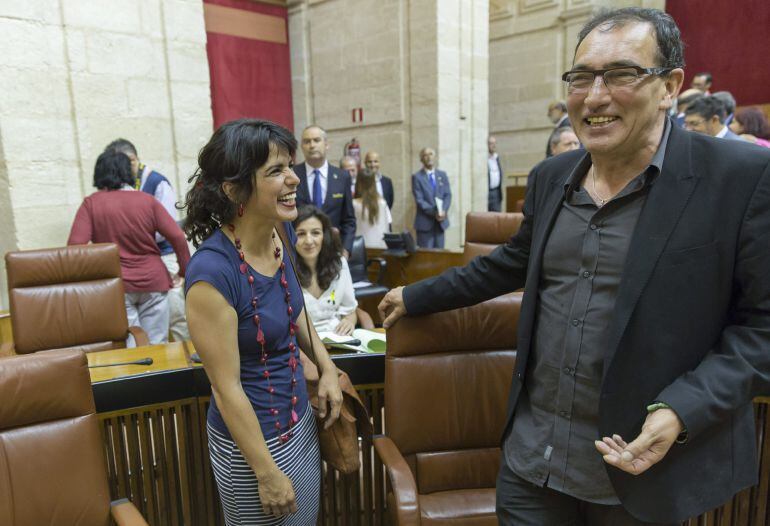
[(484, 231), (52, 467), (447, 378), (70, 297)]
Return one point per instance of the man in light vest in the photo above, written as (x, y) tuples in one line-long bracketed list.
[(157, 185)]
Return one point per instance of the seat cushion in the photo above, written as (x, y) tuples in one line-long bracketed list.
[(472, 507)]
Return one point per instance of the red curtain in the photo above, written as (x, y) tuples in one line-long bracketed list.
[(730, 40), (250, 77)]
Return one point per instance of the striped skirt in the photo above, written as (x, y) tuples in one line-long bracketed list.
[(299, 459)]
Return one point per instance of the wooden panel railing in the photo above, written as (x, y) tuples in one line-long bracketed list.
[(157, 456)]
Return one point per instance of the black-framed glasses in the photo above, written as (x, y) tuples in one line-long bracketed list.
[(581, 80)]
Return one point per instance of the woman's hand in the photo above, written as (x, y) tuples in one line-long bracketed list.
[(329, 392), (276, 493), (345, 327)]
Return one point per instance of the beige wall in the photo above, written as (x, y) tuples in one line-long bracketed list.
[(418, 70), (75, 74), (531, 43)]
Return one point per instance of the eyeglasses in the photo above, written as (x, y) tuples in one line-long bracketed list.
[(580, 81)]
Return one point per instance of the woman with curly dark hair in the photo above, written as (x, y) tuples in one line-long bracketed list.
[(243, 305), (324, 274)]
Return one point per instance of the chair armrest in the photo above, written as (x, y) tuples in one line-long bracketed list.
[(383, 267), (7, 349), (407, 510), (124, 513), (139, 335)]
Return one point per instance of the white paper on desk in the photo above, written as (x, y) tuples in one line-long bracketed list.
[(361, 284), (371, 341), (439, 205)]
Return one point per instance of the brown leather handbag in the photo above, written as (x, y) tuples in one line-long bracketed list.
[(339, 443)]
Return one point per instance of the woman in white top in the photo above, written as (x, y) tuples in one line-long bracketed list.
[(373, 217), (323, 273)]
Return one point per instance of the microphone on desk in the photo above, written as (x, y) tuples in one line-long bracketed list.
[(349, 342), (143, 361)]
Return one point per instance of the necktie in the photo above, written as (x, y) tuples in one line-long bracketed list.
[(318, 198), (432, 180)]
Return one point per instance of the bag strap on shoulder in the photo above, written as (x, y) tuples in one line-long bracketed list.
[(280, 227)]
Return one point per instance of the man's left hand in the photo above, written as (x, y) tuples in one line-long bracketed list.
[(658, 434)]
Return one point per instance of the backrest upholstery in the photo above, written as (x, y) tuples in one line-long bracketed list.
[(447, 378), (357, 261), (52, 469), (67, 297), (484, 231)]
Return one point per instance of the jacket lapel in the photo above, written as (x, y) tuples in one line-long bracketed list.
[(665, 203)]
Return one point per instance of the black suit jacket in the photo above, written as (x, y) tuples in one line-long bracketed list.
[(691, 324), (387, 191), (338, 204), (562, 124)]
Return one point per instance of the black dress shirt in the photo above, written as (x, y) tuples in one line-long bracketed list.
[(556, 421)]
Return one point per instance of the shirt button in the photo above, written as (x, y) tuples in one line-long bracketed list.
[(593, 226), (575, 322), (586, 274), (565, 414), (568, 370)]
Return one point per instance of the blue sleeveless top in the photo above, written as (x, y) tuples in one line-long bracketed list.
[(216, 262)]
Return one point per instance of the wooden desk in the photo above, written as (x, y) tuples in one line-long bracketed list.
[(167, 357)]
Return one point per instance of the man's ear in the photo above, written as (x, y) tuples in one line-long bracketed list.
[(672, 84)]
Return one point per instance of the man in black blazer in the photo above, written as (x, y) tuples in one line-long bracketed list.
[(325, 186), (557, 113), (384, 184), (494, 177), (644, 331)]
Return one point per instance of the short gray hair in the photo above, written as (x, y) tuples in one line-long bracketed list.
[(323, 132)]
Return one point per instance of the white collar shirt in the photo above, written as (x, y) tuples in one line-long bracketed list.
[(722, 133), (494, 172), (324, 170)]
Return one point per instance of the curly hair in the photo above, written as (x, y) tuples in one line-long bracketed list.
[(233, 154), (329, 262)]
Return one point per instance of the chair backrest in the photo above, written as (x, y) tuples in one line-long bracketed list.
[(67, 297), (447, 378), (357, 261), (52, 469), (484, 231)]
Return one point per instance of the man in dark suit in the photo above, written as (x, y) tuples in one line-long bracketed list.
[(645, 323), (325, 186), (557, 113), (494, 177), (432, 197), (384, 184), (707, 115)]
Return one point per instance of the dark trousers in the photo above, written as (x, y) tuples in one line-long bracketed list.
[(520, 503), (495, 199), (433, 238)]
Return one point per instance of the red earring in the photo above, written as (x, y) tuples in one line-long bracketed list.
[(240, 210)]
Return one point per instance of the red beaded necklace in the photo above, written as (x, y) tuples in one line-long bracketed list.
[(265, 355)]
